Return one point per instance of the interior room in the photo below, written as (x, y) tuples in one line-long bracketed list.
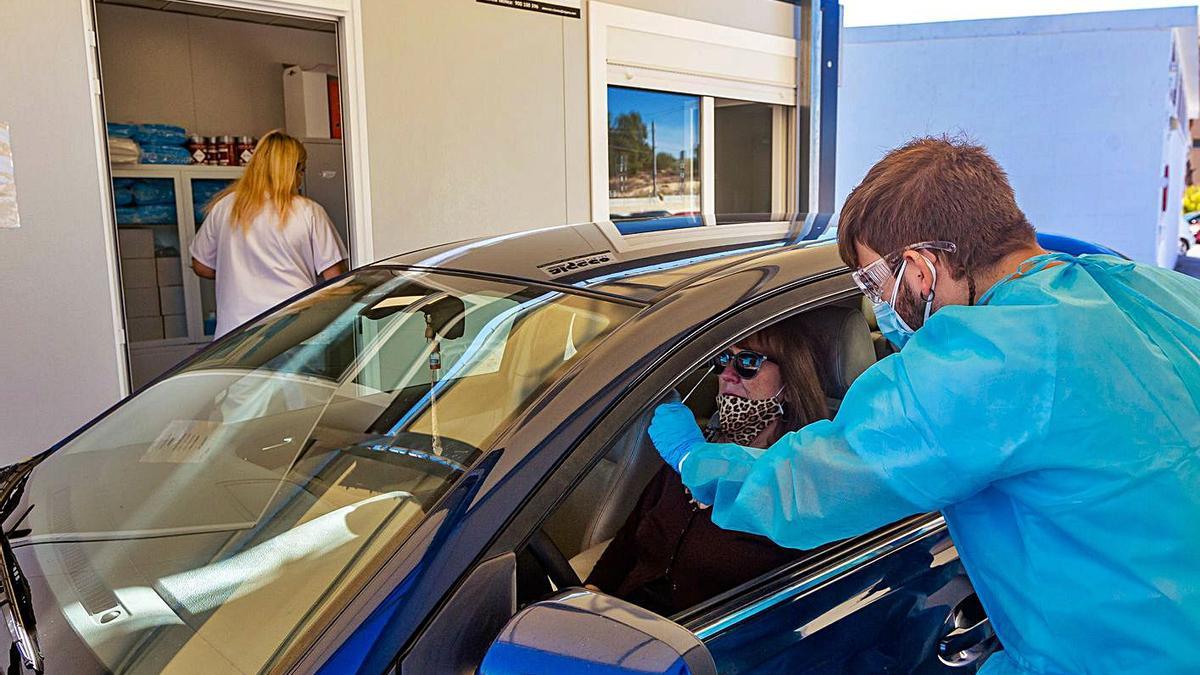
[(187, 91)]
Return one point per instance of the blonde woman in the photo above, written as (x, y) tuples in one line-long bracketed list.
[(262, 242)]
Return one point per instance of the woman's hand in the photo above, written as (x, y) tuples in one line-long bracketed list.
[(674, 432)]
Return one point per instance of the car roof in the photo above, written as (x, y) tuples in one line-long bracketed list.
[(642, 260)]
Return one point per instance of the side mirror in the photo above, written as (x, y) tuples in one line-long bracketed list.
[(582, 631)]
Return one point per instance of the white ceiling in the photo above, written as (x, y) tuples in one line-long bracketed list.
[(225, 13)]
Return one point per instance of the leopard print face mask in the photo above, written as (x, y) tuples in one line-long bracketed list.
[(742, 419)]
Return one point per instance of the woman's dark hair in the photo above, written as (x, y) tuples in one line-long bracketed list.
[(787, 343)]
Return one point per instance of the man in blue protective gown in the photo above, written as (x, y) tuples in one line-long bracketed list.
[(1047, 405)]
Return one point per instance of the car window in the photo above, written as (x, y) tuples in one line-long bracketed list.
[(631, 528), (259, 484)]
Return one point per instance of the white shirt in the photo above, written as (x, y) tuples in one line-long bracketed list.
[(262, 265)]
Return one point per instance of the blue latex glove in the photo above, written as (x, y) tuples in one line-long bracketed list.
[(674, 432)]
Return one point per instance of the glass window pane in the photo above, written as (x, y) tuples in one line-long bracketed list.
[(744, 156), (149, 203), (203, 192), (653, 153)]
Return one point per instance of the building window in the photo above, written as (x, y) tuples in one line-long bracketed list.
[(653, 153), (748, 162)]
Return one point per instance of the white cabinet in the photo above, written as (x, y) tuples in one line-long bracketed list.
[(169, 311)]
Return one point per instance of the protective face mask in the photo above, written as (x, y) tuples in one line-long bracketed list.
[(742, 419), (891, 324)]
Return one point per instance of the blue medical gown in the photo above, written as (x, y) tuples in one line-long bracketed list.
[(1057, 428)]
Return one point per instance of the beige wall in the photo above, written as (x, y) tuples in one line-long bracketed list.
[(478, 115), (58, 355), (765, 16), (210, 76)]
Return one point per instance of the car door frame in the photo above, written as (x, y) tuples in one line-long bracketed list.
[(725, 612)]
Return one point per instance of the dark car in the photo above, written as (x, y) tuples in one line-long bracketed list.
[(409, 467)]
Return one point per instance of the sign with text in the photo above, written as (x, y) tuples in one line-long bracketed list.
[(9, 218), (567, 8)]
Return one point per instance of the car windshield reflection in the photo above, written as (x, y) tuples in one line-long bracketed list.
[(262, 482)]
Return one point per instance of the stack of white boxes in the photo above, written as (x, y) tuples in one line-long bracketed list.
[(170, 297), (153, 287)]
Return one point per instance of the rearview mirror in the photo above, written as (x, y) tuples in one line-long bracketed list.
[(445, 312), (582, 631)]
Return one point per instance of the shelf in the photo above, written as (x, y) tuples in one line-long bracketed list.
[(170, 342), (172, 170)]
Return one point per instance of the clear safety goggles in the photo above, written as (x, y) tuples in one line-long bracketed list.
[(875, 278)]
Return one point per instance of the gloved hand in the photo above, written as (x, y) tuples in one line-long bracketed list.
[(674, 432)]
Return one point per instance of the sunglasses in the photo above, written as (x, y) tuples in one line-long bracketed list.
[(873, 279), (745, 363)]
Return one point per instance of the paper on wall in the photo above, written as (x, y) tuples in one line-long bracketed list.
[(9, 218)]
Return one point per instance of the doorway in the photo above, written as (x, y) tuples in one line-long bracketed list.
[(186, 90)]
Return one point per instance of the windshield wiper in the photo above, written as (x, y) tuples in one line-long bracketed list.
[(17, 606)]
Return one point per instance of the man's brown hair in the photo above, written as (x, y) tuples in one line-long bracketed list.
[(936, 189)]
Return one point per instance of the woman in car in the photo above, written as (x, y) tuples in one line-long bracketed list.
[(669, 555)]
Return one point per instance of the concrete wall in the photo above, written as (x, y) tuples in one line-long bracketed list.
[(58, 358), (1072, 107), (478, 117), (210, 76)]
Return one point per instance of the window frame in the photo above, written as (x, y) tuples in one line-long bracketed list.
[(628, 47), (727, 611)]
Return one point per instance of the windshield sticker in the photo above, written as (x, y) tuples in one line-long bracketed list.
[(182, 442), (561, 267)]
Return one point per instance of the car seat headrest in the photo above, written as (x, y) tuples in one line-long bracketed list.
[(868, 311), (843, 347)]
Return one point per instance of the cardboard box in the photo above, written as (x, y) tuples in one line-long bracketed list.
[(140, 302), (144, 328), (174, 326), (135, 242), (170, 300), (306, 102), (169, 273), (138, 273)]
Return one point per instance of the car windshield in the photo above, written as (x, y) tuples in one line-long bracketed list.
[(217, 519)]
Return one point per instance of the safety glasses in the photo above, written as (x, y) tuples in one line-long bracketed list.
[(875, 278), (745, 363)]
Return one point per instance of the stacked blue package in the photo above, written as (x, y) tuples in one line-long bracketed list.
[(165, 154), (154, 192), (123, 191), (203, 191), (160, 134), (149, 214), (116, 130)]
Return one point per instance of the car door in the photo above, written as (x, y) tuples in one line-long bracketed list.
[(883, 602)]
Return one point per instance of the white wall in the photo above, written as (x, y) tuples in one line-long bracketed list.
[(210, 76), (478, 115), (58, 358), (1074, 110)]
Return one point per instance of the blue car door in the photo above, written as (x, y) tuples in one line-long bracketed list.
[(895, 601)]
